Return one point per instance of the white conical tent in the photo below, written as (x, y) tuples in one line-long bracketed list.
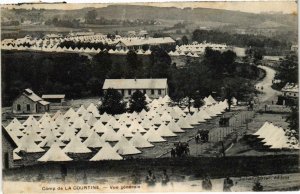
[(124, 147), (139, 141), (76, 146), (60, 120), (211, 99), (178, 110), (51, 139), (47, 124), (81, 110), (156, 120), (78, 123), (56, 115), (33, 132), (92, 120), (68, 134), (146, 123), (30, 121), (99, 127), (152, 136), (61, 129), (28, 145), (124, 131), (106, 153), (85, 131), (110, 135), (192, 120), (136, 127), (105, 118), (46, 117), (15, 124), (94, 141), (174, 127), (15, 134), (166, 117), (70, 113), (92, 108), (183, 124), (164, 131), (204, 114), (199, 117), (174, 114), (56, 154)]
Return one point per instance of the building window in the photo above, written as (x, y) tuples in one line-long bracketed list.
[(294, 94), (18, 107), (122, 91), (152, 92), (129, 92), (159, 91), (28, 107), (144, 91)]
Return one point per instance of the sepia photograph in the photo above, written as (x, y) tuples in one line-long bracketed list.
[(150, 97)]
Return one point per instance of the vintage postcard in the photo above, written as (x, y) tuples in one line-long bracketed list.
[(150, 97)]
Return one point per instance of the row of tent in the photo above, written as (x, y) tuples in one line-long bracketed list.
[(81, 131), (57, 48), (276, 137), (200, 47)]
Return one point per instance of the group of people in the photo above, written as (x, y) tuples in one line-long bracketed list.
[(151, 179), (180, 150), (202, 136), (207, 185)]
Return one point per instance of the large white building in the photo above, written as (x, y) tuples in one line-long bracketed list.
[(290, 90), (154, 88), (137, 43)]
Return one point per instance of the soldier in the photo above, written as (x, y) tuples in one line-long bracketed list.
[(206, 183), (150, 178), (228, 183), (165, 177)]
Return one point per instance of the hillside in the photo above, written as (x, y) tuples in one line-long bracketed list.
[(241, 19)]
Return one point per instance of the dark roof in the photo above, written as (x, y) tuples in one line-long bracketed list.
[(8, 137)]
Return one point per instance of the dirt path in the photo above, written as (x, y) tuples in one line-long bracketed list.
[(269, 94)]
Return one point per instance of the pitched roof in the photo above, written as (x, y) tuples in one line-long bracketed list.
[(149, 41), (290, 87), (53, 96), (9, 138), (135, 83), (32, 96)]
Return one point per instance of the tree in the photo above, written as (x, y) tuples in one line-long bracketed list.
[(293, 119), (185, 40), (198, 103), (137, 102), (133, 64), (102, 64), (229, 96), (90, 16), (112, 103)]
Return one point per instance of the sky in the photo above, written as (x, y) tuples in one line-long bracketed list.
[(254, 6)]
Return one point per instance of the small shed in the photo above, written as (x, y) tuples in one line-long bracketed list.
[(54, 98)]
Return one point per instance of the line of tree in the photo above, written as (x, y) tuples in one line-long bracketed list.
[(80, 76), (91, 18), (113, 102), (242, 40), (63, 23)]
